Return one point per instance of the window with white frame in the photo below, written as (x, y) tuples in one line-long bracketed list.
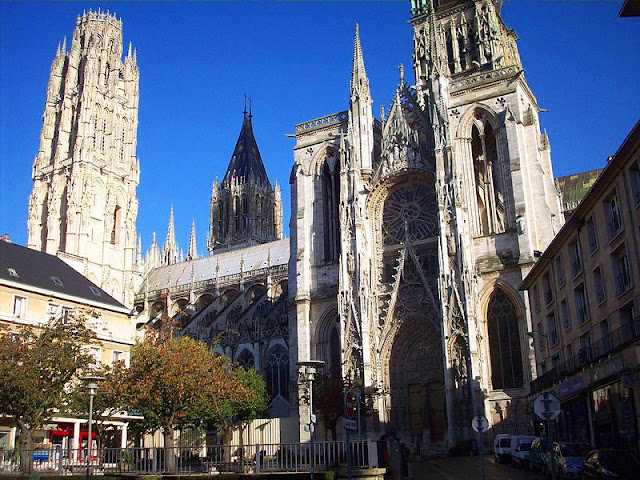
[(65, 314), (613, 214), (552, 329), (575, 258), (592, 235), (598, 285), (564, 314), (621, 270), (19, 306), (560, 270), (582, 308), (53, 311), (117, 356)]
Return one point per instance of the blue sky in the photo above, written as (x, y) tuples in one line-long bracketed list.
[(197, 59)]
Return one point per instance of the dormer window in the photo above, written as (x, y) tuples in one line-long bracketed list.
[(95, 291), (57, 282), (12, 272)]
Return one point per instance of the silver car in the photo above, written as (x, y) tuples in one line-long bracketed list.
[(567, 459)]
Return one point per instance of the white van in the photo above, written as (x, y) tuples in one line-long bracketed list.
[(519, 450), (502, 447)]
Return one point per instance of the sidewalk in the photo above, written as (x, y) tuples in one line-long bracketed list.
[(467, 468)]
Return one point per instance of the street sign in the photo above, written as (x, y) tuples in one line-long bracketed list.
[(350, 424), (546, 403), (480, 423), (350, 404)]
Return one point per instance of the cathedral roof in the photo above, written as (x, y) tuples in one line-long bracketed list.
[(246, 162), (225, 264)]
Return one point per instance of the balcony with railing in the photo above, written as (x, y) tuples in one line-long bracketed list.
[(587, 356)]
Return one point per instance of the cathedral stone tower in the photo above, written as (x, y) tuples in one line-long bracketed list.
[(427, 222), (83, 206), (245, 209)]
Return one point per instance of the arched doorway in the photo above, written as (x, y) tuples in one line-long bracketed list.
[(416, 375)]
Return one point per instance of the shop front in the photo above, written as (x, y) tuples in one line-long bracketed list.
[(573, 422), (612, 401)]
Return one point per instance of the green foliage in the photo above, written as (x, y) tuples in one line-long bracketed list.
[(37, 365)]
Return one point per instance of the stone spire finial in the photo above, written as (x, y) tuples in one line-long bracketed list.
[(129, 54), (192, 253), (359, 80), (170, 250), (64, 44)]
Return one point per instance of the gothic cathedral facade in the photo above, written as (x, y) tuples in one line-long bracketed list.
[(424, 224), (83, 206)]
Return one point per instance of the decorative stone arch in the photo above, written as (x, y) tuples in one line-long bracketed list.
[(376, 202), (156, 309), (98, 198), (483, 164), (204, 300), (276, 370), (470, 118), (325, 167), (254, 293), (517, 327), (325, 152), (245, 357), (179, 305), (229, 296), (326, 340)]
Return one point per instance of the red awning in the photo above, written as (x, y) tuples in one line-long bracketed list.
[(60, 433)]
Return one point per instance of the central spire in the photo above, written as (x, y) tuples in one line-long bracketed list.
[(246, 164)]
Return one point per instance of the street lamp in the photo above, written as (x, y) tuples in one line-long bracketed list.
[(92, 385), (307, 371)]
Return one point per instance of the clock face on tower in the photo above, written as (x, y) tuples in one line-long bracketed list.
[(410, 214)]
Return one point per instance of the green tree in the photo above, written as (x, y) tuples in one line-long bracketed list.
[(170, 381), (37, 366), (111, 398)]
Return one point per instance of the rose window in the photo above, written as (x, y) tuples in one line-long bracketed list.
[(410, 213)]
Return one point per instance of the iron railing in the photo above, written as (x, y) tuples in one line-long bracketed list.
[(588, 355), (281, 457)]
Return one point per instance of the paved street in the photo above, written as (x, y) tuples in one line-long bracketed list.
[(468, 468)]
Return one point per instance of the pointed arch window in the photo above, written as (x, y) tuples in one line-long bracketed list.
[(117, 220), (504, 342), (330, 177), (246, 360), (489, 180), (237, 212), (277, 373)]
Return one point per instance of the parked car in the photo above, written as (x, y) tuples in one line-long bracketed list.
[(567, 459), (538, 454), (609, 464), (519, 450), (502, 447)]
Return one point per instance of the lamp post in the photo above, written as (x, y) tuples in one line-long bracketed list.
[(92, 385), (307, 372)]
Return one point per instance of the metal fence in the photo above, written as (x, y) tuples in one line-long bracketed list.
[(281, 457)]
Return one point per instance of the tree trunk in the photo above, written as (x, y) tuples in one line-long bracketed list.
[(225, 441), (169, 450), (25, 447)]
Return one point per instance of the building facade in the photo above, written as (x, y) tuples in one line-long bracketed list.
[(35, 287), (585, 294), (83, 206), (426, 222), (235, 298)]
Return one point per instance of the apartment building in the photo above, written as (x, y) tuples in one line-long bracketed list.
[(585, 297), (35, 286)]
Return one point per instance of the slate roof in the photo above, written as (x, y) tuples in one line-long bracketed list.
[(575, 187), (37, 270), (228, 263), (246, 161)]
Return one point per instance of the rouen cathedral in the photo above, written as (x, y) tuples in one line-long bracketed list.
[(409, 232)]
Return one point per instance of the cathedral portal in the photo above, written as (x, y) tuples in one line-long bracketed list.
[(416, 378)]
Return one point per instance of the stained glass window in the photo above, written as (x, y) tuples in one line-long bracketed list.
[(277, 373), (410, 210), (504, 342)]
